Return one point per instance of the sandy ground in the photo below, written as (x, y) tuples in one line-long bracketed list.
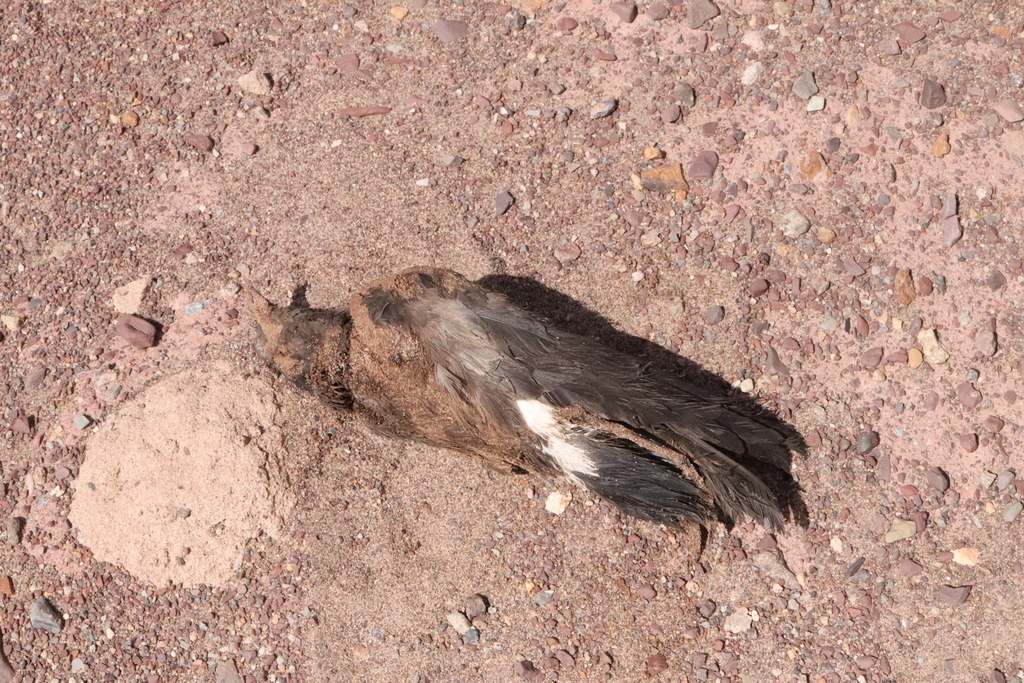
[(176, 513)]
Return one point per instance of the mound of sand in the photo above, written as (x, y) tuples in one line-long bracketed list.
[(175, 483)]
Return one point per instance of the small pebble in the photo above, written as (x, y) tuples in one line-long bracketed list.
[(627, 11), (953, 596), (804, 86), (255, 82), (604, 108), (1011, 511), (794, 223), (195, 308), (933, 95), (714, 315), (82, 422), (503, 202), (901, 529), (700, 11)]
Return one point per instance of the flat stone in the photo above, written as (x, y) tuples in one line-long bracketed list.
[(503, 202), (934, 351), (449, 31), (204, 143), (968, 442), (985, 342), (968, 394), (1009, 111), (218, 38), (1005, 478), (933, 95), (889, 46), (954, 596), (987, 479), (996, 280), (459, 622), (526, 670), (604, 108), (626, 11), (700, 11), (952, 231), (566, 24), (872, 357), (909, 33), (567, 253), (752, 73), (1011, 511), (910, 568), (128, 298), (12, 322), (686, 95), (901, 529), (45, 617), (704, 166), (937, 479), (136, 331), (967, 557), (672, 113), (994, 424), (816, 103), (658, 12), (656, 663), (255, 82), (773, 563), (360, 112), (647, 592), (82, 422), (950, 205), (543, 598), (227, 672), (714, 315), (739, 621), (665, 178), (804, 86), (867, 441)]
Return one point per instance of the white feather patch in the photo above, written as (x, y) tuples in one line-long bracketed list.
[(542, 421)]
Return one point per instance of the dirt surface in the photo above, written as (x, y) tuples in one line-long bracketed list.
[(848, 249)]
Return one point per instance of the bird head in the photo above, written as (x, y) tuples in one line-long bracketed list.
[(307, 346)]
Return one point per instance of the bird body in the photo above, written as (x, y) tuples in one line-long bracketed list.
[(428, 355)]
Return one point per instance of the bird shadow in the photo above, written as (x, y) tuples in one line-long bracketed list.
[(570, 315)]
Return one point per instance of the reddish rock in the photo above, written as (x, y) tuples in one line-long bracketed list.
[(357, 112), (656, 663), (136, 331), (204, 143)]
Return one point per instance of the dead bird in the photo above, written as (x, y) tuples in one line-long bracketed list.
[(430, 356)]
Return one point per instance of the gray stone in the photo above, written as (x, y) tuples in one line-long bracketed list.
[(714, 315), (626, 11), (604, 108), (953, 596), (686, 94), (503, 202), (42, 615), (195, 308), (255, 82), (773, 563), (227, 672), (804, 86), (1004, 480), (933, 95), (700, 11), (82, 421), (1011, 511), (867, 441), (987, 479), (448, 31), (544, 598), (937, 479)]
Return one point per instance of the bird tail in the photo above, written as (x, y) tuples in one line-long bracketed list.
[(638, 481)]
